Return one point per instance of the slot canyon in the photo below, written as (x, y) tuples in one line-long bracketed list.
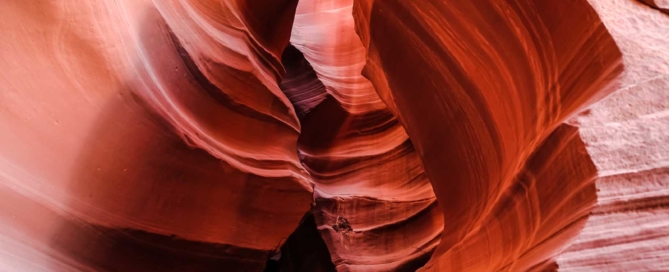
[(334, 135)]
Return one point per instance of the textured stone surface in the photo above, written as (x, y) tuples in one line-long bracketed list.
[(661, 5), (627, 135), (513, 184), (322, 135), (365, 169), (128, 127)]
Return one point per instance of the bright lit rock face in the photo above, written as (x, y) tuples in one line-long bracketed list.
[(334, 135), (626, 136), (146, 136)]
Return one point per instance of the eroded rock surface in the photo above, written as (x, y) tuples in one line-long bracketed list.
[(137, 127), (374, 205), (626, 135), (499, 78), (322, 135)]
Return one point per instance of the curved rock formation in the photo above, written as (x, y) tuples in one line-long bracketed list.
[(374, 205), (626, 135), (323, 135), (497, 155), (129, 129), (301, 84)]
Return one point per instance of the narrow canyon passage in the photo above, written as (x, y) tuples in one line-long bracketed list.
[(374, 205), (334, 135)]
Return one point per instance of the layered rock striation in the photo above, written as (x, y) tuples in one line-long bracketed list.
[(626, 136), (147, 136), (374, 205), (499, 78), (323, 135)]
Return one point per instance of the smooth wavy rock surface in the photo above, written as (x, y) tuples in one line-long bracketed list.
[(375, 208), (142, 137), (513, 184), (627, 136), (324, 32), (334, 135)]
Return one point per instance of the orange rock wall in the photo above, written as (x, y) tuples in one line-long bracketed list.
[(322, 135), (482, 89), (135, 126)]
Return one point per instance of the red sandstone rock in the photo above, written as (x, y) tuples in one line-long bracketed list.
[(496, 79), (374, 205), (146, 138), (189, 135)]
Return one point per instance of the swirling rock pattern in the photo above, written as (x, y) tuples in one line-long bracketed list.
[(323, 135), (374, 205), (491, 158), (146, 136)]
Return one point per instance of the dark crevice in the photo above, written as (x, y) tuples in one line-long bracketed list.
[(301, 84), (652, 4), (342, 226), (110, 249), (305, 250)]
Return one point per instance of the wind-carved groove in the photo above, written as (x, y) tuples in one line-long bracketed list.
[(301, 84), (659, 5), (215, 92), (515, 183), (329, 133), (375, 208), (163, 135)]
